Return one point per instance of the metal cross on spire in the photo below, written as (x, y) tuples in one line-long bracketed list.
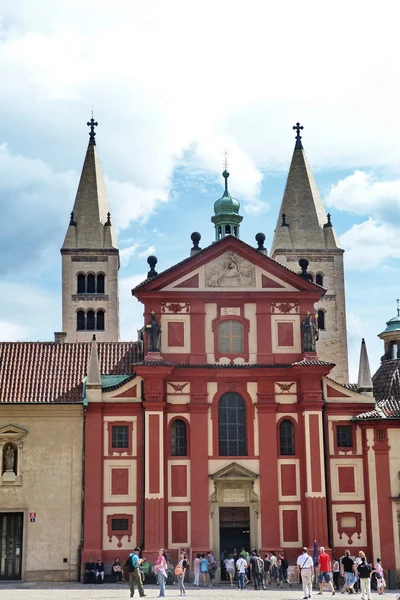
[(398, 308), (298, 128), (225, 174), (92, 134)]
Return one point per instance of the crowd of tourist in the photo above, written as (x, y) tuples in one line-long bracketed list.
[(241, 568)]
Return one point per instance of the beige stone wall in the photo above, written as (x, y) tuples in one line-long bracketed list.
[(332, 344), (51, 487), (71, 303)]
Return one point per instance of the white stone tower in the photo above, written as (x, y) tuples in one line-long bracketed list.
[(90, 259), (304, 230)]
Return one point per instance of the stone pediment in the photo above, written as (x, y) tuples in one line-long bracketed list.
[(234, 472), (12, 431)]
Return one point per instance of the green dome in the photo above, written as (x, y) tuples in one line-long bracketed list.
[(226, 205), (393, 325)]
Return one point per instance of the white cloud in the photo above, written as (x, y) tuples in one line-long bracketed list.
[(363, 194), (145, 253), (10, 332), (370, 243), (131, 309)]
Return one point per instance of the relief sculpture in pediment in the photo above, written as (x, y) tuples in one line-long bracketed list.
[(230, 270)]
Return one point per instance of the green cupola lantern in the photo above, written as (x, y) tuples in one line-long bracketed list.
[(226, 218)]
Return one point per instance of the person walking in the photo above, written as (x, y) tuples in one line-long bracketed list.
[(241, 566), (347, 570), (283, 570), (379, 576), (180, 571), (204, 569), (160, 570), (335, 573), (230, 568), (267, 570), (134, 573), (305, 567), (212, 567), (196, 569), (324, 568), (364, 572)]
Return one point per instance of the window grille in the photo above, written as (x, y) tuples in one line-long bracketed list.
[(178, 438), (119, 524), (120, 436), (344, 436), (286, 438), (232, 425)]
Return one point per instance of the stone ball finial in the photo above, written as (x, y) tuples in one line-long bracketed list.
[(152, 261), (303, 263), (195, 237), (260, 238)]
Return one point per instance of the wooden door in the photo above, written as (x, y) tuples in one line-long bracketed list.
[(10, 545)]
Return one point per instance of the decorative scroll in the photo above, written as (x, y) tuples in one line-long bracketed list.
[(285, 307), (175, 307)]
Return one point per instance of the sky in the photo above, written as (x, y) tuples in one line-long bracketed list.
[(172, 85)]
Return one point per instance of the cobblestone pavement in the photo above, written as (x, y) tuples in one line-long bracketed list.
[(77, 591)]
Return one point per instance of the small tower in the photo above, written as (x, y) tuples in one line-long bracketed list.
[(90, 259), (305, 231), (226, 218), (391, 337)]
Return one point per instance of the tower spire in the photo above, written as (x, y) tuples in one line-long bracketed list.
[(226, 218), (364, 372), (298, 128)]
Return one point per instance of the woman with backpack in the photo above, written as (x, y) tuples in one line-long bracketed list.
[(180, 571)]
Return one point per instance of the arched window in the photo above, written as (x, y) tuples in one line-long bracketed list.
[(80, 320), (219, 232), (235, 231), (90, 284), (178, 438), (100, 283), (230, 337), (100, 320), (232, 425), (227, 229), (90, 320), (286, 438), (81, 284), (319, 279), (321, 319)]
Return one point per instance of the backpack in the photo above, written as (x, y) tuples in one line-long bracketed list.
[(129, 565)]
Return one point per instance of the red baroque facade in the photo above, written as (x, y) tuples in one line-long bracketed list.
[(229, 435)]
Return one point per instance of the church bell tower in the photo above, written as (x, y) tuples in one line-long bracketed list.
[(90, 259), (304, 230)]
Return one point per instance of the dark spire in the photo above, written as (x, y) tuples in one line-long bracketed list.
[(152, 261), (225, 175), (108, 222), (284, 224), (329, 222), (398, 308), (72, 220), (92, 124), (298, 128)]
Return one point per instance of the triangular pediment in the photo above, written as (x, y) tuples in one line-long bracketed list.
[(227, 265), (234, 471), (12, 431)]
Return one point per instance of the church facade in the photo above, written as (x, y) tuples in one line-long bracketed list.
[(231, 421)]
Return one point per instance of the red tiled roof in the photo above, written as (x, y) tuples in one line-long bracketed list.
[(49, 372)]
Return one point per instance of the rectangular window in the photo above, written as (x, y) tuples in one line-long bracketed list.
[(344, 436), (231, 337), (120, 436), (119, 524)]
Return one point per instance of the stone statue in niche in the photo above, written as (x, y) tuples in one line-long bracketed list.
[(9, 459), (310, 334), (230, 270), (154, 334)]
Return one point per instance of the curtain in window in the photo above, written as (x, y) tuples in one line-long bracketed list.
[(231, 337)]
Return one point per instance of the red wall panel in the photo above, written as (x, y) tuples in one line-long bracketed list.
[(119, 482), (179, 527), (179, 480), (176, 334), (290, 526), (288, 480), (285, 334), (347, 484), (154, 451)]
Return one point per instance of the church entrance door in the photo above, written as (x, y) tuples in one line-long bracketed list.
[(10, 545), (234, 528)]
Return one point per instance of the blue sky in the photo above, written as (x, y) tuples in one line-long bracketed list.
[(172, 85)]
